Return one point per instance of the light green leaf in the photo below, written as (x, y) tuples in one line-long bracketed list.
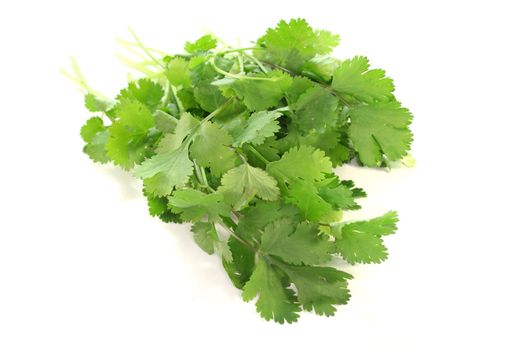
[(210, 148), (258, 127), (354, 79), (300, 245), (380, 129), (315, 109), (304, 162), (239, 185), (171, 169), (275, 302)]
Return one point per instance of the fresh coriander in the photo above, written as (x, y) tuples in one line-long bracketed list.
[(245, 140)]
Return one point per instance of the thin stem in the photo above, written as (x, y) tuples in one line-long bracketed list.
[(257, 62), (208, 117), (144, 48), (241, 49), (237, 76), (258, 155), (204, 178), (126, 44), (135, 65), (226, 227), (79, 79)]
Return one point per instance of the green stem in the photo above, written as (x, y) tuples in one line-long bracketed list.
[(208, 118), (241, 49), (232, 233), (79, 79), (127, 45), (237, 76), (145, 49), (258, 155), (257, 62)]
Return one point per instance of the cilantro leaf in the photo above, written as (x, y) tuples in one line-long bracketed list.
[(242, 264), (208, 96), (340, 194), (167, 170), (193, 205), (158, 207), (300, 245), (304, 162), (143, 90), (178, 72), (319, 288), (360, 242), (95, 135), (354, 79), (92, 127), (239, 185), (276, 301), (305, 196), (258, 127), (255, 218), (380, 129), (315, 109), (259, 95), (211, 148), (204, 43), (291, 44), (206, 237), (128, 141), (96, 104)]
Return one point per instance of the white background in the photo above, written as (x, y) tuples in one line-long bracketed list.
[(83, 266)]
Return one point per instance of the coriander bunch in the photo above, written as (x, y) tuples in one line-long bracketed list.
[(242, 143)]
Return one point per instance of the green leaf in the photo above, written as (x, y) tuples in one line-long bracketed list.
[(178, 72), (96, 147), (193, 205), (171, 169), (241, 267), (92, 127), (321, 67), (209, 97), (211, 148), (300, 245), (319, 288), (158, 207), (254, 218), (380, 129), (291, 44), (258, 127), (297, 88), (203, 44), (315, 109), (275, 302), (164, 122), (172, 141), (135, 115), (361, 247), (354, 79), (145, 91), (381, 226), (305, 196), (304, 162), (360, 242), (259, 95), (239, 185), (339, 194), (96, 104), (205, 236)]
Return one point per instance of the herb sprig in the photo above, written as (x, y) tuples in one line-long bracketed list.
[(242, 143)]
